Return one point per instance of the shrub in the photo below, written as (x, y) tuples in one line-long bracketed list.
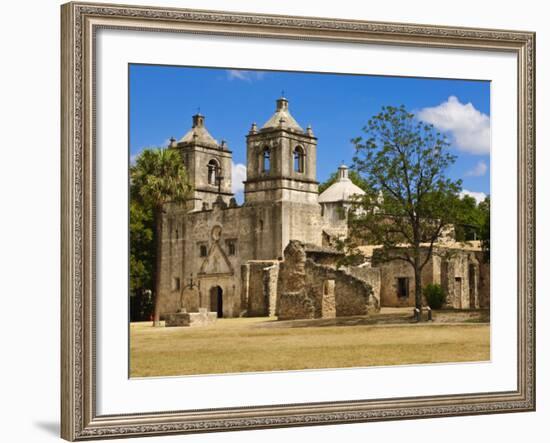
[(435, 296)]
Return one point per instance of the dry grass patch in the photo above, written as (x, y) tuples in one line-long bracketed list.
[(240, 345)]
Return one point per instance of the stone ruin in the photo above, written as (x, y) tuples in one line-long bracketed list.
[(309, 288)]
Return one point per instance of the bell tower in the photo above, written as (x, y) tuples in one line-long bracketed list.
[(282, 174), (208, 165), (281, 160)]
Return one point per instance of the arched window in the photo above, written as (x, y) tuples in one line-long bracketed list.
[(214, 171), (266, 160), (299, 159)]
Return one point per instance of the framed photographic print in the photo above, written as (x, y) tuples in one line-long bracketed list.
[(284, 221)]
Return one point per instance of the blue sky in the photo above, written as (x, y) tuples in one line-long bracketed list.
[(163, 99)]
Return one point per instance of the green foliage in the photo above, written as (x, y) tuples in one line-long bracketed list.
[(409, 200), (470, 218), (142, 250), (435, 296), (353, 176), (141, 306), (485, 232), (157, 178)]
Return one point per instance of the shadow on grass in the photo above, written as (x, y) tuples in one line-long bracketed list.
[(395, 318)]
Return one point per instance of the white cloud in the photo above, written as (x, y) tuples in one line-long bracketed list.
[(478, 170), (469, 128), (247, 76), (479, 196), (238, 175)]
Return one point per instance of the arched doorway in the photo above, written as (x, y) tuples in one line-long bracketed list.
[(216, 300)]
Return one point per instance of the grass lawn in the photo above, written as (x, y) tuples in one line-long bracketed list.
[(261, 344)]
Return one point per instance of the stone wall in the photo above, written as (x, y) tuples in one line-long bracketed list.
[(295, 305), (484, 282), (370, 276), (458, 271), (270, 278), (304, 285), (328, 299), (324, 255), (260, 287), (390, 272)]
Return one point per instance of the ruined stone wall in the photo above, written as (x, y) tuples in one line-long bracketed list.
[(270, 279), (323, 255), (257, 303), (328, 299), (370, 276), (306, 289), (260, 286), (295, 305), (352, 296)]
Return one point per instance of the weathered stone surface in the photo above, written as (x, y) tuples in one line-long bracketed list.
[(260, 287), (328, 300), (295, 305), (460, 271), (201, 318), (331, 291), (370, 276)]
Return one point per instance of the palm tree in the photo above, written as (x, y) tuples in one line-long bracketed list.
[(159, 177)]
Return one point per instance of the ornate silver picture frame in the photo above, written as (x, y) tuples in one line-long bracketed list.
[(80, 24)]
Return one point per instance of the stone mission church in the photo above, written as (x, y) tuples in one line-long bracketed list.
[(271, 256)]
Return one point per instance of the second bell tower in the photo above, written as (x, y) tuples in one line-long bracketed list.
[(281, 182), (281, 160)]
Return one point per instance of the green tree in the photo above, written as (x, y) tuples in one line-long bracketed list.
[(353, 176), (470, 218), (409, 201), (142, 256), (485, 232), (158, 177)]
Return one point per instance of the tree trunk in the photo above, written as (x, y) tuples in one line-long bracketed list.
[(158, 262), (418, 286)]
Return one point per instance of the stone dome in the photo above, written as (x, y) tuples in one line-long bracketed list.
[(342, 190), (282, 118), (198, 134)]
